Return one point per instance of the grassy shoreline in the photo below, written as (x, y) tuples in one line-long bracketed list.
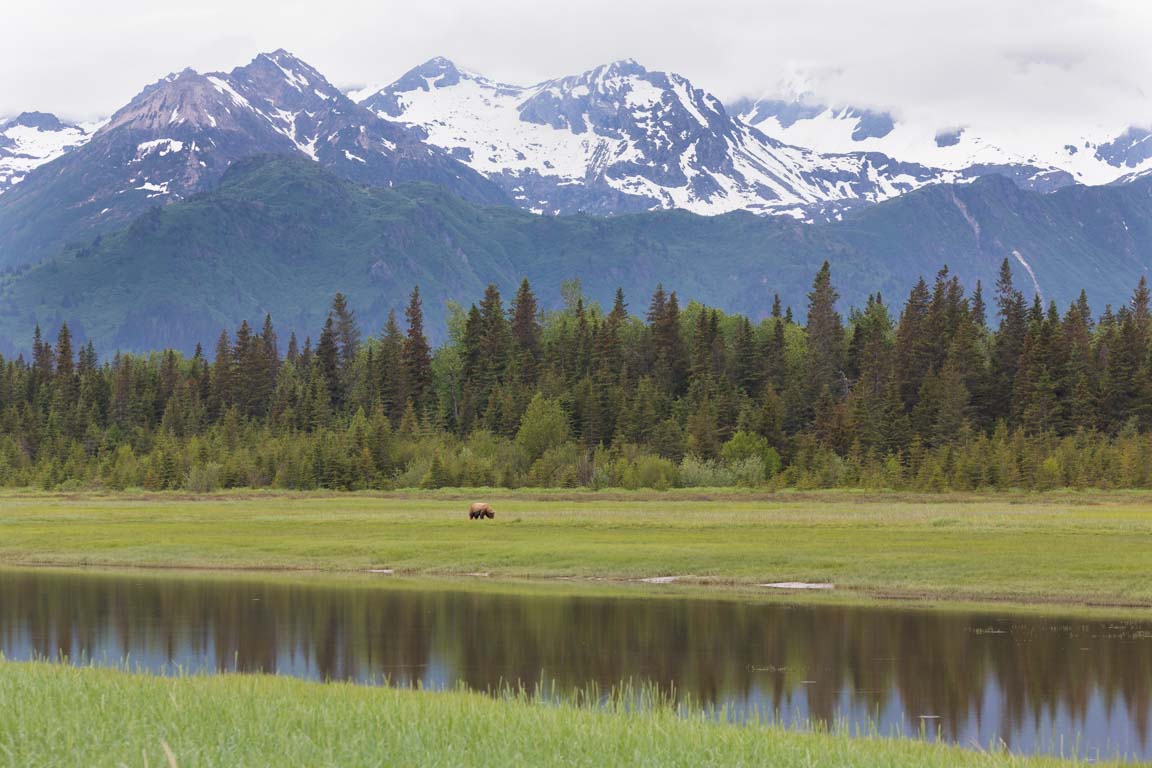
[(1067, 549), (1057, 553), (58, 715)]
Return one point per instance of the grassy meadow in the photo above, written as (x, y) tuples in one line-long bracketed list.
[(60, 715), (1065, 548)]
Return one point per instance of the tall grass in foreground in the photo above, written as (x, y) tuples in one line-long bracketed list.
[(61, 715)]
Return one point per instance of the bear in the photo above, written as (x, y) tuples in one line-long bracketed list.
[(480, 510)]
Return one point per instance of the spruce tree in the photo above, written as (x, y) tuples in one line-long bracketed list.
[(913, 354), (41, 358), (526, 333), (1008, 343), (417, 357), (748, 371), (494, 338), (391, 376), (775, 353), (347, 331), (979, 313), (328, 362), (824, 369), (293, 354), (222, 376), (65, 368)]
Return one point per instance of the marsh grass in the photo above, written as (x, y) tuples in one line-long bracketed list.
[(63, 715), (1064, 548)]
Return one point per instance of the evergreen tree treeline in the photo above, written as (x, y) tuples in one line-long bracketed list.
[(927, 397)]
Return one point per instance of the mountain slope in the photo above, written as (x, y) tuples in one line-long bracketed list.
[(620, 138), (180, 134), (281, 235)]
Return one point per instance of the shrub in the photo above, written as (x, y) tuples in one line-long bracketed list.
[(705, 473), (414, 474), (748, 473), (543, 426), (204, 478), (748, 446), (125, 472), (655, 472), (557, 468)]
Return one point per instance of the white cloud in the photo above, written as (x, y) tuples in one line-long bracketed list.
[(1054, 62)]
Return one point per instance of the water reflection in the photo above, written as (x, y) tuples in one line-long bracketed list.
[(1040, 685)]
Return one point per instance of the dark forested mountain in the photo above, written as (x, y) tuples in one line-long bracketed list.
[(180, 134), (281, 235)]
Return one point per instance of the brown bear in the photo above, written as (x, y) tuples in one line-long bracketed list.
[(479, 511)]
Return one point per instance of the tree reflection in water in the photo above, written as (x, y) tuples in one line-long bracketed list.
[(1030, 681)]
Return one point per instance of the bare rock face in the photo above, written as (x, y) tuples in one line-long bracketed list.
[(1131, 149)]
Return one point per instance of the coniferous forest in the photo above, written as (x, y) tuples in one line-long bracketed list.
[(950, 389)]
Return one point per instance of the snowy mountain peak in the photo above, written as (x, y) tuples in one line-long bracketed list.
[(437, 72), (801, 119), (618, 68), (180, 134), (284, 58), (393, 100), (623, 99), (40, 121), (285, 73), (31, 139), (620, 137), (439, 68)]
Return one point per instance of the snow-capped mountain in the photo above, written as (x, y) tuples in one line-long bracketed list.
[(616, 139), (1050, 159), (621, 138), (275, 104), (180, 134), (31, 139)]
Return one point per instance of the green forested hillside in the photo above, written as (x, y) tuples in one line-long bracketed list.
[(281, 236), (678, 397)]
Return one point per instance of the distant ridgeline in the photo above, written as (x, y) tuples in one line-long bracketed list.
[(681, 396), (282, 235)]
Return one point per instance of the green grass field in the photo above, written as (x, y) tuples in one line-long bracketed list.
[(1066, 548), (57, 715)]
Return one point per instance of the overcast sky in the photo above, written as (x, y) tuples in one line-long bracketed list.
[(964, 61)]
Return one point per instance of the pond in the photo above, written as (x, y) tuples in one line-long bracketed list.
[(1037, 684)]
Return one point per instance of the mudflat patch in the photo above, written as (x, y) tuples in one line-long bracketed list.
[(799, 585)]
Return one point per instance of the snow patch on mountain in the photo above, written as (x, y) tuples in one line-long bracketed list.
[(224, 87), (161, 147)]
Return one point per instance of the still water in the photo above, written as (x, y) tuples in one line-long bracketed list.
[(1070, 686)]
